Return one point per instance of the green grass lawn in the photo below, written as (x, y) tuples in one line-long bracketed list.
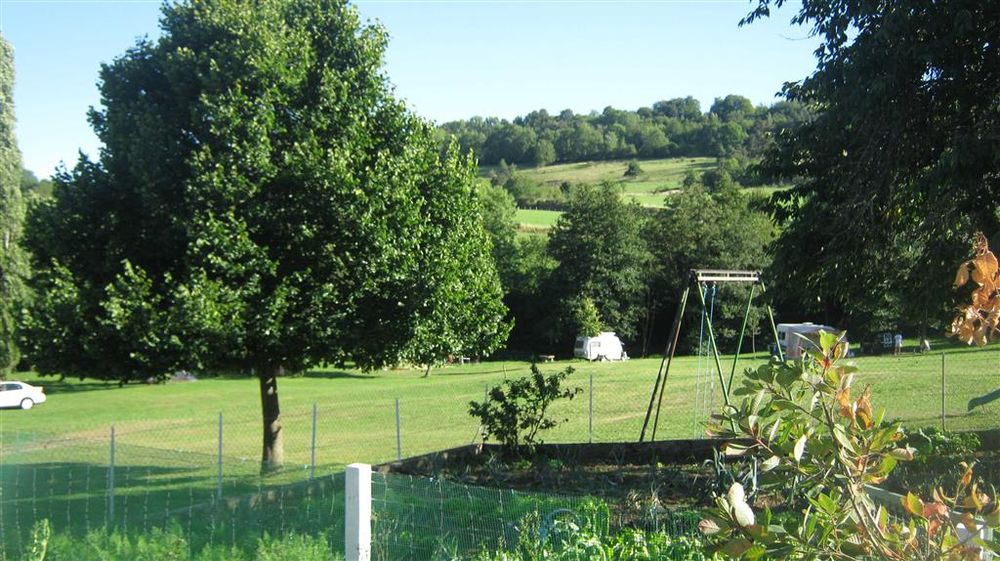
[(55, 457), (356, 414)]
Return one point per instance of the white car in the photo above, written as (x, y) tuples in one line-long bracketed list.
[(20, 394)]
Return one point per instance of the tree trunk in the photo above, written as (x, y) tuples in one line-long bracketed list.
[(273, 454), (427, 372)]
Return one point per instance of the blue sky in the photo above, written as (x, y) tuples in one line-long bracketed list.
[(448, 59)]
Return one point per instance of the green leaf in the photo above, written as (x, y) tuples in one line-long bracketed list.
[(888, 464), (732, 449), (800, 447), (840, 433), (736, 547), (769, 464), (913, 505), (827, 341), (756, 552)]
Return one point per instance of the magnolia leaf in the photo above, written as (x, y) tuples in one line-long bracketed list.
[(975, 500), (913, 505), (814, 401), (743, 514), (709, 526), (966, 475), (840, 351), (731, 449), (800, 447), (736, 547), (903, 454), (962, 276), (977, 275), (844, 396), (769, 464), (987, 263), (841, 436), (827, 341), (773, 433), (736, 494), (864, 409), (934, 510)]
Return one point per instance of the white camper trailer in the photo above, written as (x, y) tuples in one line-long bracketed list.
[(605, 346), (793, 337)]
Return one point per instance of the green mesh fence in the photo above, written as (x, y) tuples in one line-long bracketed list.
[(74, 486), (424, 518)]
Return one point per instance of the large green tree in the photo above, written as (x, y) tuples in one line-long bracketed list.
[(261, 202), (601, 254), (709, 224), (13, 262), (901, 163)]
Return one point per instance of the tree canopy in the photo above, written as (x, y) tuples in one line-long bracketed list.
[(675, 127), (709, 224), (600, 252), (900, 164), (13, 261), (262, 202)]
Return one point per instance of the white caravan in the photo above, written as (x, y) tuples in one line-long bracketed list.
[(605, 346), (790, 337)]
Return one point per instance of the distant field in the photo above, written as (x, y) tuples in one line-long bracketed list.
[(658, 179), (533, 219), (657, 175)]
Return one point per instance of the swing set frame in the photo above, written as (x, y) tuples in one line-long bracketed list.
[(702, 277)]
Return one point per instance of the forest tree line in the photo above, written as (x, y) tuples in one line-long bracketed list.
[(733, 126)]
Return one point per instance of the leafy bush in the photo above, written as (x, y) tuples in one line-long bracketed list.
[(812, 435), (569, 540), (586, 317), (515, 411), (633, 169), (936, 452)]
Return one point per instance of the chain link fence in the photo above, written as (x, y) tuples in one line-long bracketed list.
[(202, 472)]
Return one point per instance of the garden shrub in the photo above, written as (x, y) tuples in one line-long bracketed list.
[(515, 411)]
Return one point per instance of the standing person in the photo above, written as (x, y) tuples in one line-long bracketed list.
[(897, 346)]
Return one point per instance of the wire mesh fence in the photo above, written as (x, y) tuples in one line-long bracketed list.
[(201, 471), (421, 518)]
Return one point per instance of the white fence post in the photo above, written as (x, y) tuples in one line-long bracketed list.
[(399, 440), (358, 513), (111, 480), (219, 480)]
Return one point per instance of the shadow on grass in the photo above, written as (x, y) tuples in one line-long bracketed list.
[(984, 399), (337, 375), (55, 385)]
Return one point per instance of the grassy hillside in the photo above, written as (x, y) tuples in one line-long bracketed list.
[(657, 175), (649, 188)]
